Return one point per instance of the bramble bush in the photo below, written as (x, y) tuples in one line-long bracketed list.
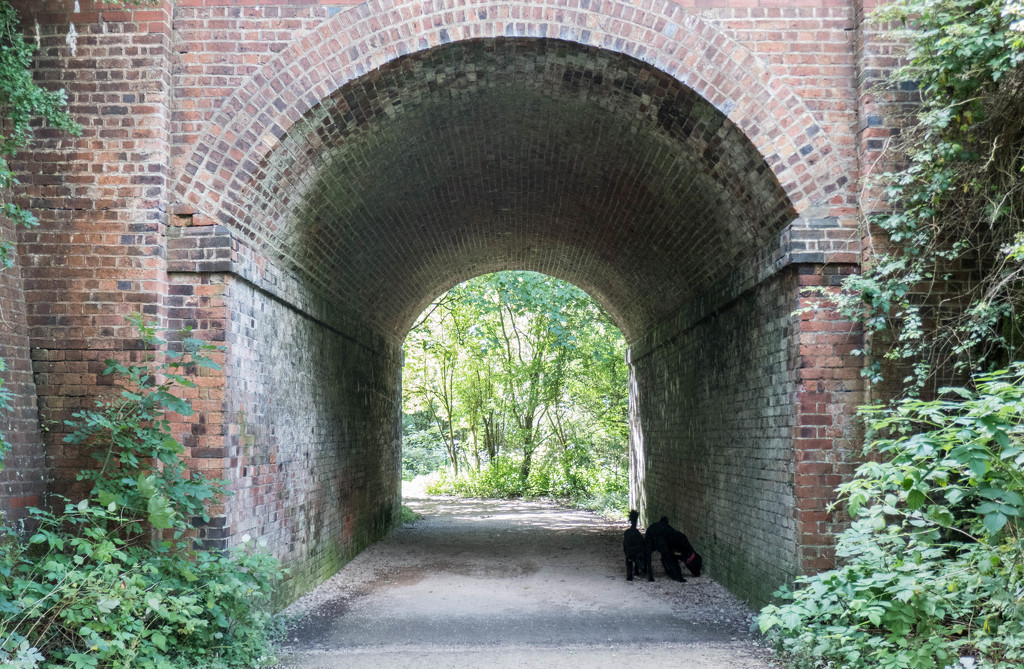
[(116, 580), (932, 566)]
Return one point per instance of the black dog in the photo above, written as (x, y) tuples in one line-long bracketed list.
[(637, 557), (657, 539), (683, 550)]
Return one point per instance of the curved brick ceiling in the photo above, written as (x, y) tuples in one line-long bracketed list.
[(486, 155)]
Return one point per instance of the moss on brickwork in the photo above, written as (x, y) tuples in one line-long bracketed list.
[(316, 473)]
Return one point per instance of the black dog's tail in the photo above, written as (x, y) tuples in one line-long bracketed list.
[(634, 515)]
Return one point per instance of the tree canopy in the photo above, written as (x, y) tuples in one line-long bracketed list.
[(522, 378)]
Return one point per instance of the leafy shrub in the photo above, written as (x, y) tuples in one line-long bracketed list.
[(932, 566), (569, 473), (572, 476), (500, 478), (115, 580)]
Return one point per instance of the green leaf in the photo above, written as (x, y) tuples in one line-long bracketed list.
[(159, 640), (766, 622), (107, 605), (161, 514), (994, 522), (146, 485), (106, 498)]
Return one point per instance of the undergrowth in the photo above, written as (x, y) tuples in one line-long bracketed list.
[(932, 567), (116, 580), (562, 479)]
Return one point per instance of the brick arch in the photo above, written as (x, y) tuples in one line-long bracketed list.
[(357, 40), (511, 153), (734, 427)]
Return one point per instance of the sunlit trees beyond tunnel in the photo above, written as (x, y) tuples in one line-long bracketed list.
[(515, 384)]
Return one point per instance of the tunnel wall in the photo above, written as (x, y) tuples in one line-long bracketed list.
[(745, 427), (317, 445), (153, 84), (303, 418)]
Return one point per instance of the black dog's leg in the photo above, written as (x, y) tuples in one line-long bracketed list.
[(629, 569), (672, 568), (647, 562)]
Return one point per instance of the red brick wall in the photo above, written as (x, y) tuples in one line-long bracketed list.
[(202, 193), (826, 435), (23, 476), (97, 254)]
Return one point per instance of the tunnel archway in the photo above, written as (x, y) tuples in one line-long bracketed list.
[(508, 153), (516, 382), (499, 154)]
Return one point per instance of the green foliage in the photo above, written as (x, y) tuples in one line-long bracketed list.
[(115, 580), (517, 382), (932, 567), (141, 470), (423, 450), (584, 486), (500, 478), (409, 516), (944, 295)]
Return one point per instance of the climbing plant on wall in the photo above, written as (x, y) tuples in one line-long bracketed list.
[(942, 296), (931, 571)]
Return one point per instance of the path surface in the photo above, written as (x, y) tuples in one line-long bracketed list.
[(488, 583)]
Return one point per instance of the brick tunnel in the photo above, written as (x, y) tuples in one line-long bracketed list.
[(317, 206)]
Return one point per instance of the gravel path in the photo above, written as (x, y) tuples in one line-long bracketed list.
[(492, 583)]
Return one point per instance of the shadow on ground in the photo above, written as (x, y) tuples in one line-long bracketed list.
[(496, 583)]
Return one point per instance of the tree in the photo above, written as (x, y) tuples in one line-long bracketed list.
[(516, 366)]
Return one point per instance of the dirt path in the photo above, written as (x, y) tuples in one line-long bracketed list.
[(487, 583)]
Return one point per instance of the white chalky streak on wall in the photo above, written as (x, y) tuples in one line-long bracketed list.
[(72, 40)]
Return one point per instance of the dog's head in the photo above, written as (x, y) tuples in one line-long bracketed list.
[(634, 515), (695, 564)]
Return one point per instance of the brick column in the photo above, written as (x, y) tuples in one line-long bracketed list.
[(97, 254), (23, 479), (826, 443)]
